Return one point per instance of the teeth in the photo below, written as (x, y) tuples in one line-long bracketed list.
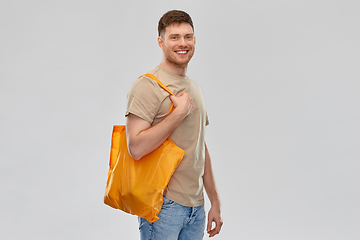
[(181, 52)]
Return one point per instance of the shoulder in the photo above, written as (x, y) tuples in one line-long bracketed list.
[(146, 82), (144, 85), (144, 98)]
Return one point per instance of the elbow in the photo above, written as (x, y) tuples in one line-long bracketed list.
[(136, 157), (135, 153)]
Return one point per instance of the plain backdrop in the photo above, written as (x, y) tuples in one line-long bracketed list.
[(281, 85)]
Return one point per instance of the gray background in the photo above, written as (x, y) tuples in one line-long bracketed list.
[(281, 85)]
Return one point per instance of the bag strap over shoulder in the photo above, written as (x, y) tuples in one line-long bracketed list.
[(158, 81), (162, 85)]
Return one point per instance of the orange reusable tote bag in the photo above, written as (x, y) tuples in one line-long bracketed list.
[(137, 187)]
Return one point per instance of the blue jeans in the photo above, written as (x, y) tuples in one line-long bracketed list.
[(176, 222)]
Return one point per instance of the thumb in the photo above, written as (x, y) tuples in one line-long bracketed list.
[(172, 98)]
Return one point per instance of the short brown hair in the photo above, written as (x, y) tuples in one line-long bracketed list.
[(174, 16)]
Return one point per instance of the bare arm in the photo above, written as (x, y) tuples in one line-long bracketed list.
[(210, 187), (143, 139)]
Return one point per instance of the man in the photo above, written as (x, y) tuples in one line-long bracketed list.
[(149, 124)]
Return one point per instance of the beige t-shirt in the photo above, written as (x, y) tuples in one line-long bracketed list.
[(147, 100)]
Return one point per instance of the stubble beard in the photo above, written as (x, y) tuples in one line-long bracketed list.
[(180, 64)]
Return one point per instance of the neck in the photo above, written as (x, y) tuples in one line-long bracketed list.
[(175, 69)]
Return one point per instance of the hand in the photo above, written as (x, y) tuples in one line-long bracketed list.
[(214, 216), (183, 103)]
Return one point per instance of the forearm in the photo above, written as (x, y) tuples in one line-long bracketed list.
[(147, 140), (209, 180), (210, 187)]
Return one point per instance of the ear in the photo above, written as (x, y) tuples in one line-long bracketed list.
[(160, 41), (194, 40)]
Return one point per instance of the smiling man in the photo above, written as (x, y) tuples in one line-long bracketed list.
[(149, 124)]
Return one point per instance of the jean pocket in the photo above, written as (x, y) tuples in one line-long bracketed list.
[(167, 202)]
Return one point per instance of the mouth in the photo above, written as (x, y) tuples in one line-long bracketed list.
[(182, 52)]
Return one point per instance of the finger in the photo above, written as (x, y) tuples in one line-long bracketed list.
[(182, 93), (208, 229), (212, 233), (191, 108), (215, 230), (218, 227), (189, 111)]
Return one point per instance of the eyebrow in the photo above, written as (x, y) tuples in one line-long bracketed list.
[(176, 34)]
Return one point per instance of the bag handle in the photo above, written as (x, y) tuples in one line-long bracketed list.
[(162, 85)]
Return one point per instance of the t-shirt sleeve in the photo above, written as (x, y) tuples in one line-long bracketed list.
[(144, 99)]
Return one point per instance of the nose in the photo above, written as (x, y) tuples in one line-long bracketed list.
[(182, 42)]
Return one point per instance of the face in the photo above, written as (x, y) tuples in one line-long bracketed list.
[(178, 44)]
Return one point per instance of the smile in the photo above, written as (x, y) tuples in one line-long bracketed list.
[(182, 51)]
